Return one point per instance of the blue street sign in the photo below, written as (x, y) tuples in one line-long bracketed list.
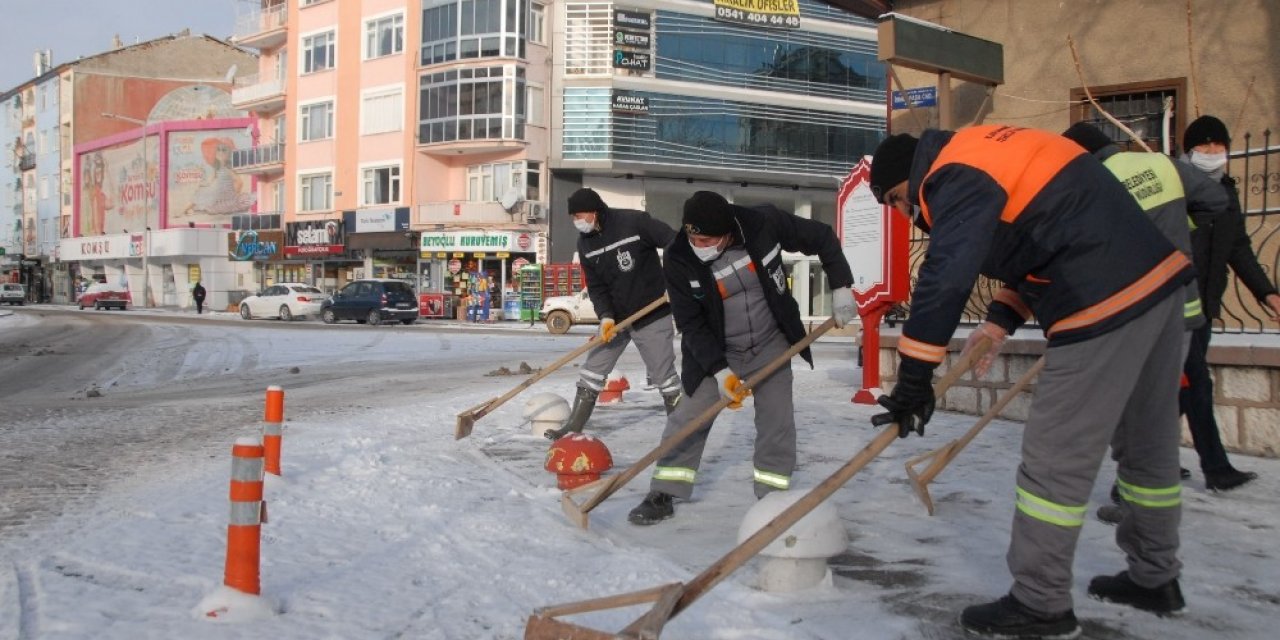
[(919, 96)]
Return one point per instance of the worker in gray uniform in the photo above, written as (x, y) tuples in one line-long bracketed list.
[(732, 302), (618, 249)]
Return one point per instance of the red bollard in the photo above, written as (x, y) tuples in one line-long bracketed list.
[(244, 530), (613, 390), (273, 428)]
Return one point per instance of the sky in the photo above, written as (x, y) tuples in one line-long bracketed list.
[(382, 525), (74, 28)]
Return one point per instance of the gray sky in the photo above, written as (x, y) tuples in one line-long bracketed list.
[(74, 28)]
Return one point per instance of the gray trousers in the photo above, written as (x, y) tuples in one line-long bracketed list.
[(775, 445), (653, 340), (1119, 389)]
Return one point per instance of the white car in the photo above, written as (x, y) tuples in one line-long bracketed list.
[(287, 300), (562, 312), (12, 293)]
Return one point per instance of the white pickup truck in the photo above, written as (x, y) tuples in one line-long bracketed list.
[(562, 312)]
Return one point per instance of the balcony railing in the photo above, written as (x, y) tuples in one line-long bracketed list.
[(249, 91), (27, 162), (262, 158), (262, 28)]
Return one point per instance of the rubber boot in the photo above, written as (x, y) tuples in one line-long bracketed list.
[(669, 402), (583, 404)]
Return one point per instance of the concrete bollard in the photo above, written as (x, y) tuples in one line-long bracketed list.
[(273, 429)]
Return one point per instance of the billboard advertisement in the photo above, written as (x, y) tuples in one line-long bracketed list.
[(118, 187), (203, 189)]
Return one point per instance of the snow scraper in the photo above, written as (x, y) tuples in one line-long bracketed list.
[(467, 419), (670, 599)]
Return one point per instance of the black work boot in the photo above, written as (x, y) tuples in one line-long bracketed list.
[(1008, 618), (1227, 480), (657, 506), (669, 401), (1110, 514), (1163, 600), (583, 404)]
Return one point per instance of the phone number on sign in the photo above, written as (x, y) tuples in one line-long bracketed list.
[(772, 20)]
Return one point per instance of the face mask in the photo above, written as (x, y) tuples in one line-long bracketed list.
[(707, 254), (583, 226), (1208, 162)]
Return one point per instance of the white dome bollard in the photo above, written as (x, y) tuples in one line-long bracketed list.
[(797, 559), (546, 412)]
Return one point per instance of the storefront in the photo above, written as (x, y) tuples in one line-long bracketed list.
[(475, 267), (381, 237), (316, 253)]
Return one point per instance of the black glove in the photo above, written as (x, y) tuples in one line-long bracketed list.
[(911, 403)]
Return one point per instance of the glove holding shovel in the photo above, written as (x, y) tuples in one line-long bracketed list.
[(911, 402)]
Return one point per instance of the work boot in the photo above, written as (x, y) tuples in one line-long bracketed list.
[(669, 401), (1008, 618), (1227, 480), (1110, 514), (657, 506), (1184, 473), (1163, 600), (583, 404)]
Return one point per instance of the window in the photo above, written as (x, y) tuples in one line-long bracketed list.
[(277, 199), (381, 185), (317, 121), (1141, 106), (489, 182), (281, 131), (384, 36), (454, 29), (382, 112), (532, 180), (537, 23), (481, 103), (534, 98), (318, 52), (44, 187), (316, 193)]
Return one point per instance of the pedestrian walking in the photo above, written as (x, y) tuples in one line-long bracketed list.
[(1216, 246), (1036, 212), (618, 250), (731, 299), (197, 294)]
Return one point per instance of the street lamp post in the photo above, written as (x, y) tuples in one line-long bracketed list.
[(148, 299)]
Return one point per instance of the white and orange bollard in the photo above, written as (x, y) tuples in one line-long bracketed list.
[(273, 429), (613, 389), (240, 596)]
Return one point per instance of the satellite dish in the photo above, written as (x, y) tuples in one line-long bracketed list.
[(231, 74), (510, 199)]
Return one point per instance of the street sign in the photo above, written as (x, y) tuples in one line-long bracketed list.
[(917, 96)]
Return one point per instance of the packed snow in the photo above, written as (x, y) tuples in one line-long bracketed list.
[(382, 525)]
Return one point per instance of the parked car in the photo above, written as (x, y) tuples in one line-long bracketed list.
[(287, 300), (13, 293), (372, 301), (562, 312), (103, 295)]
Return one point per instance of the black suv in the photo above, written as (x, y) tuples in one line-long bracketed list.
[(372, 301)]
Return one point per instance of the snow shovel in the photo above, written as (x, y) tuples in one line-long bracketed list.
[(467, 419), (669, 600), (606, 487), (942, 456)]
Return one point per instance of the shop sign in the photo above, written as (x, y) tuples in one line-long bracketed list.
[(466, 241), (778, 14), (135, 245), (376, 220), (314, 238), (95, 248), (631, 60), (632, 19), (248, 245), (517, 265), (627, 102), (631, 39)]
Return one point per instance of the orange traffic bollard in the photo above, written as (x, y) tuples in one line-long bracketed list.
[(244, 530), (273, 429)]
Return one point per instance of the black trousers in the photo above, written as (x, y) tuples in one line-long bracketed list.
[(1196, 402), (200, 306)]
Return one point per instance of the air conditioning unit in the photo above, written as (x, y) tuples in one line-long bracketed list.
[(534, 212)]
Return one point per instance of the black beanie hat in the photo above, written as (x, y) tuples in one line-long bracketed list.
[(1205, 129), (1087, 136), (891, 163), (707, 213), (586, 200)]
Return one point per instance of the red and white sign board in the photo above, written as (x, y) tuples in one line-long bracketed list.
[(874, 239)]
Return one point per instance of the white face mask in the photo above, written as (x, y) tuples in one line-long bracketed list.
[(707, 254), (583, 226), (1209, 162)]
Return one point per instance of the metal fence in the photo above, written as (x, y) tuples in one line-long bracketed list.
[(1256, 167)]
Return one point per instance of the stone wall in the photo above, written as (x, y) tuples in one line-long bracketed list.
[(1246, 389)]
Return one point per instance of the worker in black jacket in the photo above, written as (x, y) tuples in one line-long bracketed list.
[(1215, 247), (732, 302), (1073, 248), (618, 249)]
